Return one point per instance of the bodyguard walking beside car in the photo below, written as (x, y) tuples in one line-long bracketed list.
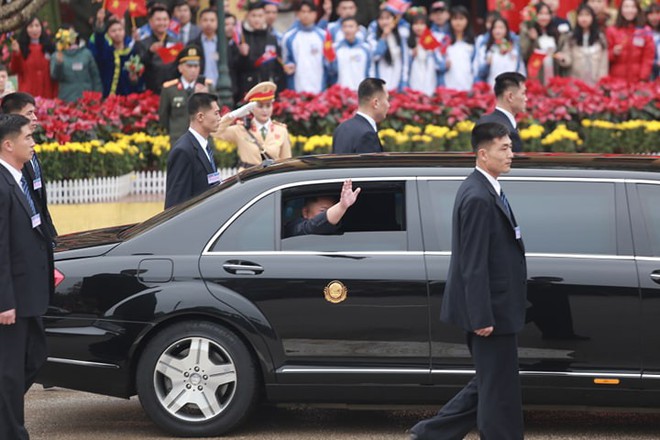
[(485, 295), (511, 95), (191, 167), (24, 277), (360, 133)]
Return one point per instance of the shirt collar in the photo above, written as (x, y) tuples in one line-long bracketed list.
[(508, 115), (201, 139), (186, 84), (259, 125), (213, 39), (493, 181), (16, 174), (369, 119)]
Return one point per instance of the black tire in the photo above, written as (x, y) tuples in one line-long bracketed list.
[(174, 373)]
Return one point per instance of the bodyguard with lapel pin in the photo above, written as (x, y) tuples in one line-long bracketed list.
[(24, 277), (485, 295)]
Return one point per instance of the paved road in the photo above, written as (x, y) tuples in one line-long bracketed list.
[(58, 414)]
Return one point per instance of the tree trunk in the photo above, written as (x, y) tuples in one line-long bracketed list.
[(17, 13)]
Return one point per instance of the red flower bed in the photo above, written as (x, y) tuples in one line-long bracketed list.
[(563, 100), (91, 117)]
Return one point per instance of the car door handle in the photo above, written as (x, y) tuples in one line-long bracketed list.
[(242, 268), (655, 276)]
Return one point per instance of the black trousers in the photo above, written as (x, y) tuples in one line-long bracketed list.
[(491, 401), (22, 353)]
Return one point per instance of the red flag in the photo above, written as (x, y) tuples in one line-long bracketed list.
[(175, 26), (137, 8), (169, 54), (269, 55), (117, 7), (428, 41), (328, 48), (397, 7), (535, 63)]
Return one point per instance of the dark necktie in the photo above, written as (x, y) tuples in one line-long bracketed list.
[(505, 202), (35, 166), (264, 132), (28, 196), (209, 151)]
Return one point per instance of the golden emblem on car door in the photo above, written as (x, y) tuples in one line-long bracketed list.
[(335, 292)]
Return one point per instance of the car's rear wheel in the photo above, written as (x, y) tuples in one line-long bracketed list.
[(197, 379)]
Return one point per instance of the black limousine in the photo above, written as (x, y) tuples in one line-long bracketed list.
[(208, 308)]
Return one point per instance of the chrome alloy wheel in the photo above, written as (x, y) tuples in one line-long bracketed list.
[(195, 379)]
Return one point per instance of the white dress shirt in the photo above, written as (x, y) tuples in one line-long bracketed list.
[(508, 114), (371, 120), (16, 174), (202, 141), (493, 181)]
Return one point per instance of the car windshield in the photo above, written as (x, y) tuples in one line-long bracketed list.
[(175, 210)]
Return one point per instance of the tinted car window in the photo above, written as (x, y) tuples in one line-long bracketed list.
[(439, 207), (650, 202), (565, 217), (376, 222), (254, 230)]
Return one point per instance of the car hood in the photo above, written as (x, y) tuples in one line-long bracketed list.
[(88, 243)]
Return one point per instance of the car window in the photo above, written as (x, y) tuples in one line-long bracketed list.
[(650, 202), (565, 217), (376, 222), (554, 217), (438, 209), (253, 230)]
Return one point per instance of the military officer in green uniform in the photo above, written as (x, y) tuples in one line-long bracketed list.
[(173, 108)]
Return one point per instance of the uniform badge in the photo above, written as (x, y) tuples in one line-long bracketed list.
[(335, 292)]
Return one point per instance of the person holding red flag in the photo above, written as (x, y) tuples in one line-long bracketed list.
[(159, 50), (424, 62), (258, 51), (353, 56)]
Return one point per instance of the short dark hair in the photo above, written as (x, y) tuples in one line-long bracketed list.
[(3, 68), (255, 5), (200, 101), (309, 3), (351, 18), (11, 125), (206, 11), (506, 80), (352, 1), (486, 133), (368, 88), (15, 102), (113, 21), (157, 7)]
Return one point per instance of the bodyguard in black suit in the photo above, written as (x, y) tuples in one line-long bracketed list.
[(24, 277), (510, 91), (486, 296), (360, 133), (21, 103), (191, 168)]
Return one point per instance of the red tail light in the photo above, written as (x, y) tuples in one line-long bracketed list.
[(59, 277)]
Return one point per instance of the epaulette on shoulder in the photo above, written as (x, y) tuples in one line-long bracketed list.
[(170, 83)]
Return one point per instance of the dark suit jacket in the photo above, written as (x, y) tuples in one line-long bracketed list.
[(501, 118), (487, 281), (24, 268), (317, 225), (188, 168), (40, 197), (355, 135)]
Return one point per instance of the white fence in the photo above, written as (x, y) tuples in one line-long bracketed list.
[(111, 189)]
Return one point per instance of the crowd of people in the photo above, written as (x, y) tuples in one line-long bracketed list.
[(405, 46)]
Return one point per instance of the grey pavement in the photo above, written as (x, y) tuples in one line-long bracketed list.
[(59, 414)]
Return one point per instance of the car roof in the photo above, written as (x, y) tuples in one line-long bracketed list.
[(558, 161)]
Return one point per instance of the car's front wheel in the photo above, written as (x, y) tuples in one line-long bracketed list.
[(197, 379)]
